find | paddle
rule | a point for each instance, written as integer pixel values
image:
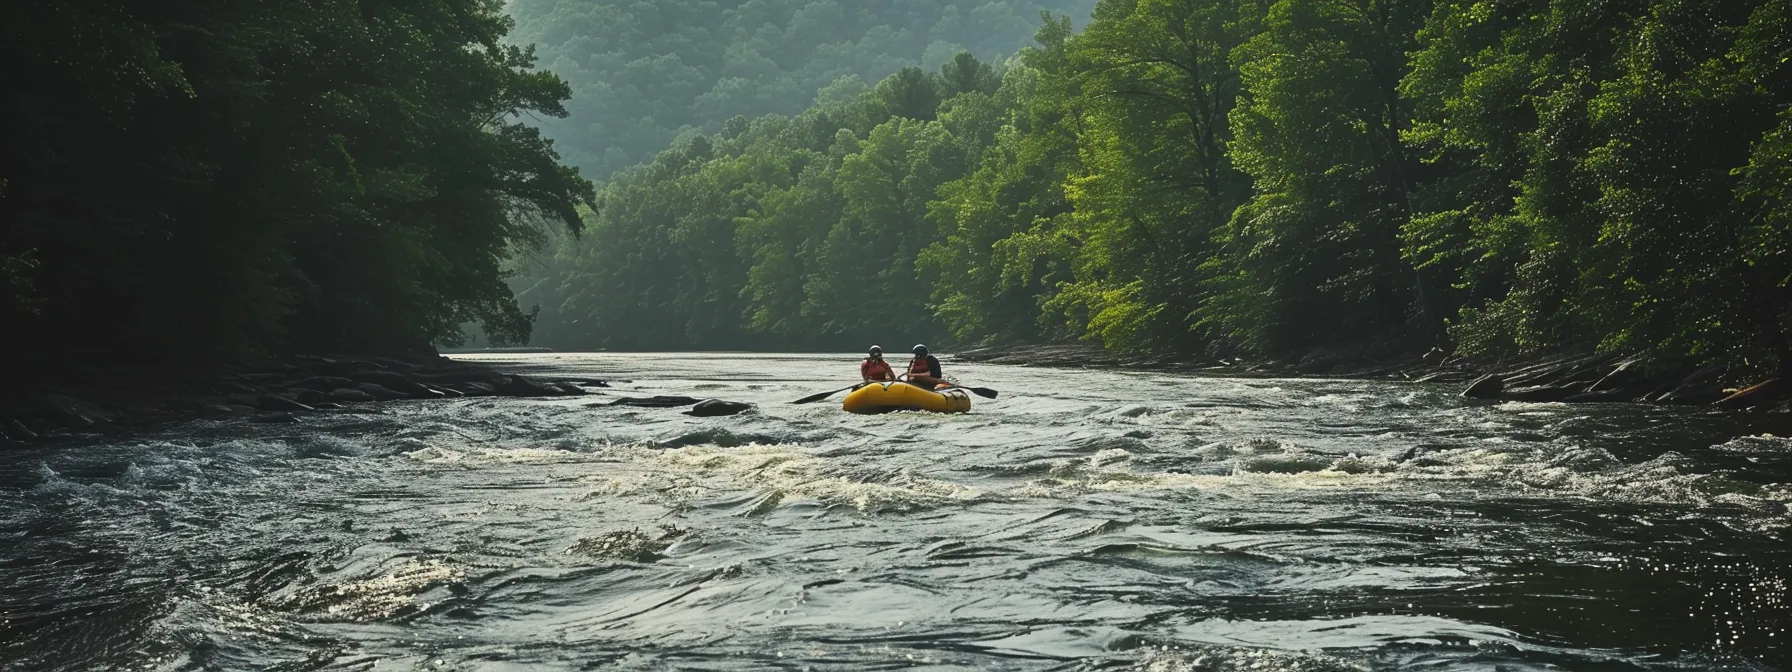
(984, 392)
(818, 397)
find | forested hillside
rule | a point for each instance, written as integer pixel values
(643, 70)
(1254, 176)
(196, 180)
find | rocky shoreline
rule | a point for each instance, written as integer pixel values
(277, 391)
(283, 390)
(1565, 378)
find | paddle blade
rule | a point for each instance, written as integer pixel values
(815, 397)
(984, 392)
(818, 397)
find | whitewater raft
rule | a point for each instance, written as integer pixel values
(887, 397)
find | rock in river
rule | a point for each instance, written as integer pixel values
(654, 402)
(1488, 387)
(710, 408)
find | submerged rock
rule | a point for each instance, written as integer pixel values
(1488, 387)
(519, 386)
(655, 402)
(710, 408)
(1543, 393)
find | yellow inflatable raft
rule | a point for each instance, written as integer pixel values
(886, 397)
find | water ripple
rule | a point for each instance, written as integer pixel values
(1085, 520)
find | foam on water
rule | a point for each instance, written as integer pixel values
(1083, 520)
(779, 471)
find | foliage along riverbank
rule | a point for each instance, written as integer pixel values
(190, 182)
(1499, 179)
(643, 73)
(1569, 378)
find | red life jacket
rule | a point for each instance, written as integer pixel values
(876, 369)
(918, 367)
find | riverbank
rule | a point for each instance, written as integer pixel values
(281, 390)
(1564, 378)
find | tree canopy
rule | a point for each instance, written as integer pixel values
(196, 179)
(645, 71)
(1216, 176)
(1241, 176)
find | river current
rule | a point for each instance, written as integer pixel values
(1083, 520)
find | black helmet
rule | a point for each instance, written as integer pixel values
(877, 350)
(921, 350)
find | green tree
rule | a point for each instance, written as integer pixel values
(194, 180)
(1001, 251)
(1156, 180)
(1316, 252)
(644, 71)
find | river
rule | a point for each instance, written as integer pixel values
(1083, 520)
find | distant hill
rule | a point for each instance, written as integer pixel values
(643, 70)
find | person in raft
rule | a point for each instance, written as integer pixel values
(874, 369)
(924, 371)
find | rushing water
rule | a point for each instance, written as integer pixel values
(1086, 519)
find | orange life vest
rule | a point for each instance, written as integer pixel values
(876, 369)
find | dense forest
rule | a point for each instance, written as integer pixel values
(1239, 177)
(643, 71)
(1261, 177)
(209, 181)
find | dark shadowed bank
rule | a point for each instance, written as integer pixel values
(282, 390)
(126, 398)
(1569, 378)
(193, 194)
